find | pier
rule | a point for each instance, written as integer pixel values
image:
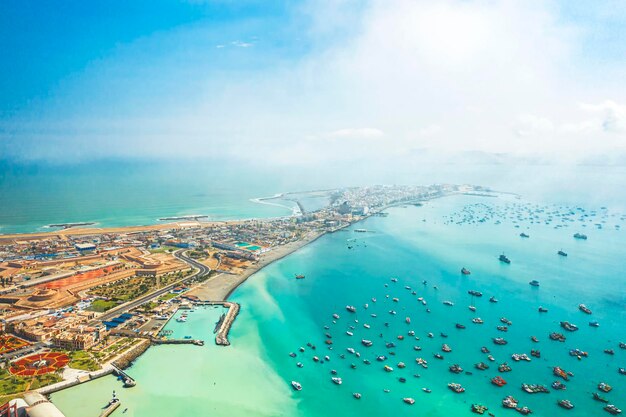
(221, 337)
(110, 408)
(128, 380)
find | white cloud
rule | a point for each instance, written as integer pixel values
(357, 133)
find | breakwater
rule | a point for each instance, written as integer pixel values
(221, 337)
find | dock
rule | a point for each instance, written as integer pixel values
(221, 337)
(110, 408)
(128, 380)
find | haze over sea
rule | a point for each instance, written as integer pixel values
(280, 314)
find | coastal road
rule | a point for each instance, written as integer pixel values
(201, 270)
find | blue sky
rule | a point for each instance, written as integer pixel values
(311, 81)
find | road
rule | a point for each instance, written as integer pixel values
(201, 270)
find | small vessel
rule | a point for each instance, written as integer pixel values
(459, 326)
(557, 371)
(534, 283)
(388, 368)
(570, 327)
(336, 380)
(504, 367)
(465, 271)
(336, 316)
(356, 395)
(558, 385)
(481, 366)
(479, 408)
(455, 369)
(612, 409)
(535, 389)
(536, 353)
(448, 303)
(427, 390)
(543, 309)
(446, 348)
(561, 253)
(475, 293)
(299, 365)
(472, 308)
(506, 321)
(498, 381)
(477, 320)
(503, 258)
(493, 299)
(296, 385)
(580, 236)
(523, 235)
(557, 336)
(409, 400)
(534, 339)
(499, 341)
(509, 402)
(600, 398)
(366, 343)
(567, 404)
(584, 308)
(299, 276)
(458, 388)
(604, 387)
(594, 323)
(351, 309)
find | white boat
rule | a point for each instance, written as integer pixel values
(336, 380)
(296, 385)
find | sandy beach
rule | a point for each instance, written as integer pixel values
(221, 286)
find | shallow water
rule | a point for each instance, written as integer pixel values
(279, 314)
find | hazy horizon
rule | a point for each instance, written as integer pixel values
(315, 83)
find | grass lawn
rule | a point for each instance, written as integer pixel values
(163, 248)
(10, 385)
(102, 305)
(82, 360)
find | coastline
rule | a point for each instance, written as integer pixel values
(221, 287)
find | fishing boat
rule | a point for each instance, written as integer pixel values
(458, 388)
(584, 308)
(388, 368)
(475, 293)
(557, 336)
(604, 387)
(567, 404)
(534, 339)
(366, 343)
(536, 353)
(558, 385)
(481, 366)
(504, 259)
(561, 253)
(557, 371)
(509, 402)
(477, 320)
(504, 367)
(506, 321)
(459, 326)
(356, 395)
(465, 271)
(455, 369)
(594, 323)
(535, 389)
(570, 327)
(472, 308)
(580, 236)
(523, 235)
(498, 381)
(534, 283)
(409, 400)
(351, 309)
(427, 390)
(448, 303)
(499, 341)
(336, 380)
(600, 398)
(446, 348)
(612, 409)
(296, 385)
(543, 309)
(493, 299)
(479, 408)
(299, 276)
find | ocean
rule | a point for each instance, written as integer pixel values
(412, 244)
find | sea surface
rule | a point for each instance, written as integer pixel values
(431, 243)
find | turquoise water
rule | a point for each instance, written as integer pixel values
(279, 314)
(127, 194)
